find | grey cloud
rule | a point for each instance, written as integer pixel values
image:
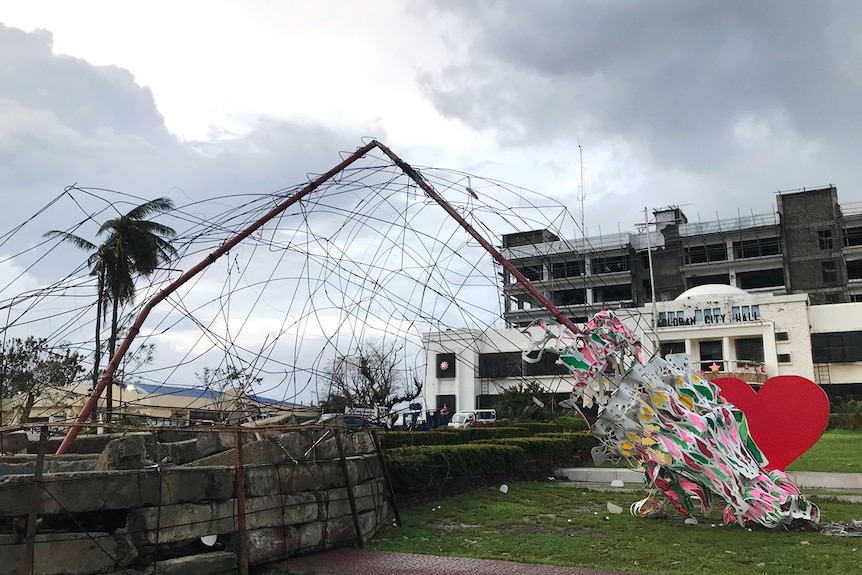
(63, 120)
(84, 97)
(674, 76)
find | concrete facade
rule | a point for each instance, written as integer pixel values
(725, 330)
(810, 245)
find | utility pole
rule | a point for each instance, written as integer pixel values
(651, 281)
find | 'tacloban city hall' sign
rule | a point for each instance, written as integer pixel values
(709, 316)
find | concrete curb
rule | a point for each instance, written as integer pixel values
(802, 479)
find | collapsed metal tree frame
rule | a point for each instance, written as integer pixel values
(409, 171)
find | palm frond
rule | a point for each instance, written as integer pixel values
(76, 241)
(159, 205)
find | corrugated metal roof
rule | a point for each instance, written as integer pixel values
(199, 392)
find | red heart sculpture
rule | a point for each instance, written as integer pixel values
(785, 418)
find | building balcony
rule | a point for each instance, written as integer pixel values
(748, 377)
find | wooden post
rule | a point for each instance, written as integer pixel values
(242, 533)
(349, 484)
(29, 559)
(386, 478)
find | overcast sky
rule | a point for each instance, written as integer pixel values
(713, 106)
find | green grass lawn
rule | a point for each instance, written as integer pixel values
(836, 451)
(561, 524)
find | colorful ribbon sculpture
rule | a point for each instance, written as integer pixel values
(691, 444)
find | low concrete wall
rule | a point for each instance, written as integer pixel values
(95, 521)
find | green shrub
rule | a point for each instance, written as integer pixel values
(556, 447)
(568, 424)
(427, 469)
(571, 423)
(451, 436)
(845, 421)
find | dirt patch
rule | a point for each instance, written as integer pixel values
(449, 525)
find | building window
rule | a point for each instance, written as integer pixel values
(782, 336)
(449, 402)
(854, 270)
(853, 237)
(832, 297)
(830, 275)
(749, 351)
(722, 279)
(499, 365)
(532, 273)
(756, 248)
(760, 279)
(571, 269)
(621, 292)
(445, 365)
(745, 312)
(609, 265)
(711, 353)
(836, 347)
(547, 365)
(825, 238)
(570, 297)
(704, 254)
(486, 401)
(709, 315)
(784, 358)
(670, 347)
(671, 319)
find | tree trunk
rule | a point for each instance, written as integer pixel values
(26, 408)
(97, 354)
(112, 348)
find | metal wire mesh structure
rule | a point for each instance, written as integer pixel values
(362, 252)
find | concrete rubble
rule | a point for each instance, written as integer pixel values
(167, 500)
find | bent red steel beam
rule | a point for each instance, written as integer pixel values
(412, 173)
(525, 283)
(111, 369)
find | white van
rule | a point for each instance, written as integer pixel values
(468, 418)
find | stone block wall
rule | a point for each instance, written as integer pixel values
(170, 500)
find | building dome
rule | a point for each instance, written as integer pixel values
(710, 290)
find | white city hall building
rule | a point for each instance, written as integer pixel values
(726, 331)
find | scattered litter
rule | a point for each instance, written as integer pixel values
(691, 521)
(614, 508)
(607, 518)
(209, 540)
(845, 529)
(504, 488)
(618, 483)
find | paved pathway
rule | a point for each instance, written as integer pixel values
(352, 561)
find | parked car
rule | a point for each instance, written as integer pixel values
(473, 417)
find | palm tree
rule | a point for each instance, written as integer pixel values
(134, 245)
(97, 266)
